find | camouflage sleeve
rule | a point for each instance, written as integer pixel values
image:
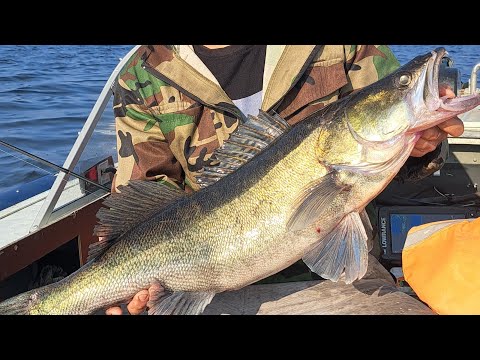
(143, 150)
(365, 64)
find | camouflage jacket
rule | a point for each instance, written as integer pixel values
(171, 114)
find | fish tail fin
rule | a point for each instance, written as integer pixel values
(342, 251)
(22, 303)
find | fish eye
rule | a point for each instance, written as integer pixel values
(404, 80)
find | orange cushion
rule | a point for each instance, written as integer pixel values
(443, 268)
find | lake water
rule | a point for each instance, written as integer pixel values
(48, 91)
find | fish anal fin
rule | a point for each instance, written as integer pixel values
(180, 303)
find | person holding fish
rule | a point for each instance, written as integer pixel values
(236, 162)
(174, 105)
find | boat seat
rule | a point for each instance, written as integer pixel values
(374, 294)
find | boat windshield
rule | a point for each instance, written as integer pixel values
(77, 133)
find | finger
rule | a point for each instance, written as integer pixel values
(443, 136)
(453, 126)
(432, 133)
(417, 153)
(435, 140)
(423, 147)
(445, 90)
(138, 303)
(114, 311)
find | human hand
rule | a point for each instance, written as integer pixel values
(433, 136)
(135, 307)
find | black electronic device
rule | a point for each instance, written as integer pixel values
(394, 222)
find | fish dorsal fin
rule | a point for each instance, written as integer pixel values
(250, 139)
(134, 203)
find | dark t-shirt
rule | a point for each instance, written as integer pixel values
(239, 71)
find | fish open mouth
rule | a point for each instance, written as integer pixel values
(429, 108)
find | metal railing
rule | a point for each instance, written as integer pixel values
(473, 79)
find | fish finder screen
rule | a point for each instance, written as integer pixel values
(400, 224)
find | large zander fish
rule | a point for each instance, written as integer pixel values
(274, 196)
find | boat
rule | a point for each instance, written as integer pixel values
(45, 235)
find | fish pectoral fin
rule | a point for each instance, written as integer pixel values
(312, 200)
(180, 303)
(344, 249)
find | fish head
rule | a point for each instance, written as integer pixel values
(405, 102)
(429, 108)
